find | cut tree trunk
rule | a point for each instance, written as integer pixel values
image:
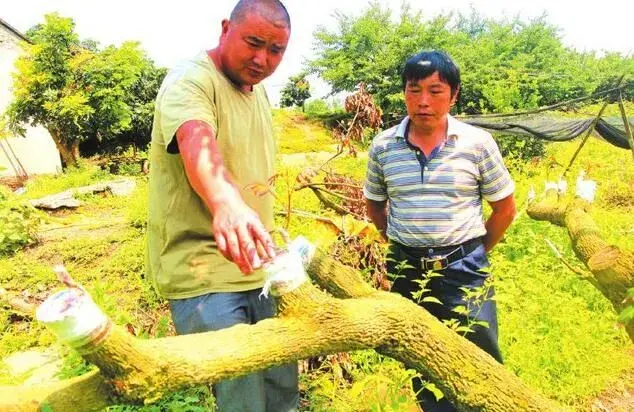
(310, 322)
(612, 267)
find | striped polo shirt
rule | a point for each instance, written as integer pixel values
(436, 201)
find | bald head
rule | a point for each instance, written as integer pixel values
(272, 10)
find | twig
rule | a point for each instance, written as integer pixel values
(303, 213)
(330, 204)
(64, 277)
(328, 184)
(578, 271)
(340, 149)
(335, 194)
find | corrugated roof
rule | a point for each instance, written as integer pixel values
(14, 30)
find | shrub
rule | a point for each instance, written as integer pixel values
(520, 147)
(18, 223)
(316, 107)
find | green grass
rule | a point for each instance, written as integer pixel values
(558, 333)
(73, 177)
(296, 134)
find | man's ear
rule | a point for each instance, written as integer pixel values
(225, 27)
(454, 96)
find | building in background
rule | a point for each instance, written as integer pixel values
(35, 153)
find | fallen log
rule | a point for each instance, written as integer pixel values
(310, 322)
(611, 266)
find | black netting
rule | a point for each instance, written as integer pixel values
(556, 130)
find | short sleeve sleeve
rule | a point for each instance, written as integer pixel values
(496, 183)
(374, 187)
(181, 101)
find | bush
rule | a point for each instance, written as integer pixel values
(18, 223)
(316, 107)
(520, 147)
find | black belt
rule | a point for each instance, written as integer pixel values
(438, 258)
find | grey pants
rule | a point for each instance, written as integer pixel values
(271, 390)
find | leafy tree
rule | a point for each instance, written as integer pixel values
(295, 92)
(506, 64)
(76, 91)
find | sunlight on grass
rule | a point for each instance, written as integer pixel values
(295, 134)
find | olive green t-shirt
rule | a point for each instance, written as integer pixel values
(182, 259)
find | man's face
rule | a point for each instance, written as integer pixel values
(428, 101)
(252, 48)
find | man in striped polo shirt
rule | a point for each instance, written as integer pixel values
(425, 182)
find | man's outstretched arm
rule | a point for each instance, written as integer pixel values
(236, 227)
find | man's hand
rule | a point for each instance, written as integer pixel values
(241, 237)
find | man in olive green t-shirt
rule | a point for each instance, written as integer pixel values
(208, 236)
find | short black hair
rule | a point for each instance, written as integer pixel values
(272, 10)
(424, 64)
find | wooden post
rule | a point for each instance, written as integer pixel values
(626, 124)
(590, 130)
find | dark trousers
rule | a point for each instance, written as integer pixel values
(468, 272)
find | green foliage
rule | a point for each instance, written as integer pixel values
(18, 223)
(74, 364)
(505, 64)
(4, 129)
(374, 383)
(82, 94)
(316, 107)
(198, 399)
(137, 208)
(295, 92)
(523, 148)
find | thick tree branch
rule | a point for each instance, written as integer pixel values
(612, 267)
(310, 322)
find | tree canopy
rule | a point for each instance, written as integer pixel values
(295, 92)
(505, 65)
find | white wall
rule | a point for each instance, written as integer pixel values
(36, 151)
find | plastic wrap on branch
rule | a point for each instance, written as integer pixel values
(612, 267)
(586, 189)
(75, 319)
(286, 272)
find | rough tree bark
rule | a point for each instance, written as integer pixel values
(310, 322)
(612, 267)
(69, 151)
